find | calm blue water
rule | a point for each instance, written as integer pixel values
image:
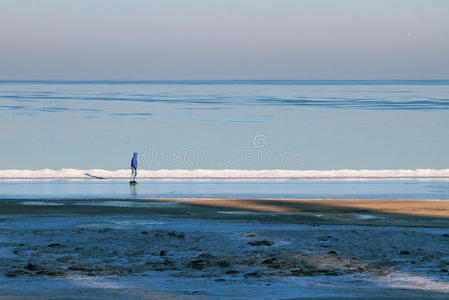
(225, 124)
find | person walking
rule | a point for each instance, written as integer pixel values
(133, 169)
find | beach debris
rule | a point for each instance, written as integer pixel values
(270, 261)
(261, 243)
(223, 263)
(31, 267)
(197, 264)
(179, 235)
(56, 273)
(220, 280)
(77, 268)
(205, 255)
(253, 274)
(16, 273)
(249, 235)
(324, 238)
(316, 272)
(64, 259)
(327, 238)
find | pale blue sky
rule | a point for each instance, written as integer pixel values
(231, 39)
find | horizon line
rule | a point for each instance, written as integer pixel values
(211, 80)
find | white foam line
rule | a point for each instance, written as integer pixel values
(41, 203)
(96, 174)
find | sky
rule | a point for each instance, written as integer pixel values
(229, 39)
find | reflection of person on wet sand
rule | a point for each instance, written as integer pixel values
(132, 189)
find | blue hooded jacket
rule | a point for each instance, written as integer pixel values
(134, 160)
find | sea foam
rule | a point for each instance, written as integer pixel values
(224, 174)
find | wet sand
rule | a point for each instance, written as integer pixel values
(435, 208)
(224, 248)
(413, 213)
(405, 212)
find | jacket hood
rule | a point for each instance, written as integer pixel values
(134, 154)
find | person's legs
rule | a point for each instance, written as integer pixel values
(134, 174)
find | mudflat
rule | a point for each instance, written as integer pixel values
(224, 248)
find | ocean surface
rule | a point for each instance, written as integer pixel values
(375, 138)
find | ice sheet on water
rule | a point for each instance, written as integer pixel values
(127, 203)
(41, 203)
(122, 224)
(404, 280)
(98, 174)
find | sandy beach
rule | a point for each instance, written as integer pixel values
(224, 248)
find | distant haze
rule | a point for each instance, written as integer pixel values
(231, 39)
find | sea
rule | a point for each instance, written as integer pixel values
(373, 139)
